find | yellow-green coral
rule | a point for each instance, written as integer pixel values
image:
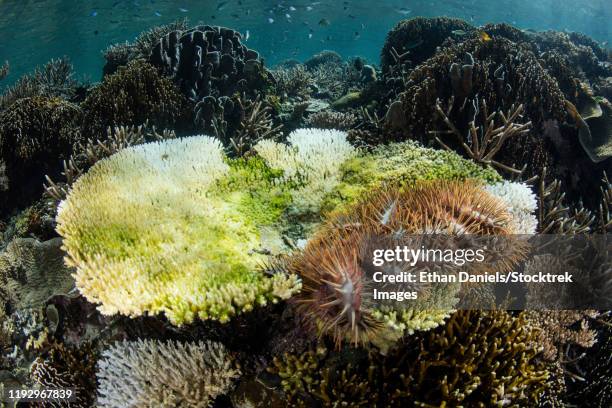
(478, 359)
(401, 163)
(158, 228)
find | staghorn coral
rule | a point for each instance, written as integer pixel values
(32, 271)
(313, 158)
(416, 39)
(562, 328)
(35, 135)
(335, 265)
(521, 202)
(188, 240)
(135, 94)
(402, 163)
(477, 359)
(295, 81)
(328, 119)
(66, 367)
(93, 150)
(55, 79)
(486, 140)
(153, 373)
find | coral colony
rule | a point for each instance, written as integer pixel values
(202, 230)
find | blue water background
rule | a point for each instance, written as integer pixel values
(34, 31)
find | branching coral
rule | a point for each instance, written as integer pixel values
(313, 158)
(257, 125)
(328, 119)
(184, 242)
(293, 82)
(153, 373)
(521, 202)
(64, 367)
(55, 79)
(131, 96)
(35, 135)
(32, 271)
(476, 359)
(93, 150)
(485, 140)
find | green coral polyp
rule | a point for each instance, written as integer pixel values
(404, 164)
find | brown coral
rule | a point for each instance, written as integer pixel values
(133, 95)
(477, 359)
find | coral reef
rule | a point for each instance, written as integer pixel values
(477, 359)
(133, 95)
(35, 135)
(293, 82)
(416, 39)
(154, 373)
(521, 202)
(201, 261)
(502, 74)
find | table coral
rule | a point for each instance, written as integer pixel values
(171, 233)
(160, 374)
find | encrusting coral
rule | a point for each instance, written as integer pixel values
(188, 243)
(149, 373)
(477, 359)
(332, 120)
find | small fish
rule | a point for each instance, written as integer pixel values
(234, 15)
(484, 36)
(308, 8)
(96, 32)
(351, 16)
(221, 5)
(460, 33)
(324, 22)
(413, 44)
(183, 10)
(270, 20)
(94, 13)
(288, 16)
(247, 35)
(292, 8)
(404, 11)
(309, 36)
(158, 14)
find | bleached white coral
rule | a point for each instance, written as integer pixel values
(149, 231)
(312, 158)
(149, 373)
(521, 202)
